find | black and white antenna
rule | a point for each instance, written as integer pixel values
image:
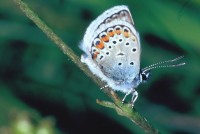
(160, 64)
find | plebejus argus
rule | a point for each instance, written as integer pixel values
(112, 51)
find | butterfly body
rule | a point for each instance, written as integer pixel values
(112, 51)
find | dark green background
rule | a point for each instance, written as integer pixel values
(39, 82)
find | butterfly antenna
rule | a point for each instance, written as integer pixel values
(158, 64)
(162, 62)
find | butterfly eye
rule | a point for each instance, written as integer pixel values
(118, 30)
(145, 76)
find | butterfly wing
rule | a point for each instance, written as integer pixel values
(112, 48)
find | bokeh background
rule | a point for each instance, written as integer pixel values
(42, 91)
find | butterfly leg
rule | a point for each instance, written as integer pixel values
(103, 87)
(129, 92)
(134, 97)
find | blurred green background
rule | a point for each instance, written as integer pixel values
(43, 92)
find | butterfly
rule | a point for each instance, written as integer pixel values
(112, 52)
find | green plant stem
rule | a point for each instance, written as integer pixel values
(125, 110)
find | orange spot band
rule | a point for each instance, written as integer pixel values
(94, 56)
(111, 33)
(100, 45)
(126, 34)
(118, 31)
(105, 38)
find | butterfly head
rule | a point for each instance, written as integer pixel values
(144, 76)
